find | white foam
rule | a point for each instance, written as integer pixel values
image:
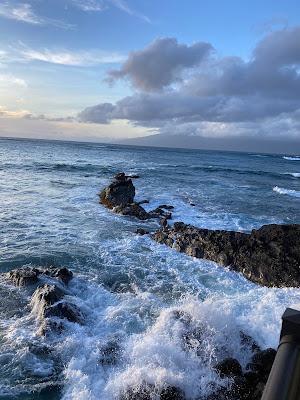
(297, 158)
(289, 192)
(294, 174)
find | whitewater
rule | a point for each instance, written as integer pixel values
(131, 289)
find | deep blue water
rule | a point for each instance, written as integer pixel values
(127, 285)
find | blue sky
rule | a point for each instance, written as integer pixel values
(55, 54)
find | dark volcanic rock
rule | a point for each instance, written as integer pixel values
(47, 295)
(29, 276)
(141, 231)
(63, 274)
(134, 210)
(119, 193)
(65, 310)
(23, 276)
(229, 367)
(119, 196)
(269, 256)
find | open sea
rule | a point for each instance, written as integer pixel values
(128, 286)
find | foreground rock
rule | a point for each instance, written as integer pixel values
(119, 197)
(269, 256)
(30, 276)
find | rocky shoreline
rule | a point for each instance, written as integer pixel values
(269, 256)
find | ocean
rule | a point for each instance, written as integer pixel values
(128, 286)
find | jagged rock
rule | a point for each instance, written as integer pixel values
(63, 274)
(141, 231)
(269, 256)
(229, 367)
(119, 193)
(47, 295)
(29, 276)
(262, 361)
(50, 326)
(65, 310)
(248, 341)
(24, 276)
(172, 393)
(133, 210)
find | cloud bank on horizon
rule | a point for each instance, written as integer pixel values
(185, 89)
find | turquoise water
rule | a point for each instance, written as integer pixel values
(127, 285)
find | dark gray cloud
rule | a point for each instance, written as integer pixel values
(160, 63)
(220, 90)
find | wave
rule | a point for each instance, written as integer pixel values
(294, 174)
(297, 158)
(289, 192)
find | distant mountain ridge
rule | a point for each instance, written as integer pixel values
(246, 144)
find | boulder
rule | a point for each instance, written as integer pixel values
(119, 193)
(134, 210)
(47, 295)
(24, 276)
(268, 256)
(65, 310)
(29, 276)
(229, 367)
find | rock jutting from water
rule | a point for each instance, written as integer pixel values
(47, 300)
(119, 197)
(269, 256)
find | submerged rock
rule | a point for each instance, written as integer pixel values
(269, 256)
(110, 353)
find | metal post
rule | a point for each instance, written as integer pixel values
(284, 379)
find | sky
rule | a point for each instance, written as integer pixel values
(106, 69)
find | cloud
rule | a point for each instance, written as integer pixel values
(101, 5)
(4, 113)
(72, 58)
(160, 63)
(9, 80)
(23, 12)
(262, 91)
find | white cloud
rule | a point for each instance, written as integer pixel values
(72, 58)
(101, 5)
(9, 80)
(23, 12)
(4, 113)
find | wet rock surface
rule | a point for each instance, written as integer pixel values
(28, 276)
(119, 197)
(269, 256)
(65, 310)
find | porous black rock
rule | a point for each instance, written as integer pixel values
(171, 393)
(268, 256)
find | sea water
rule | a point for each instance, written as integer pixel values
(129, 287)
